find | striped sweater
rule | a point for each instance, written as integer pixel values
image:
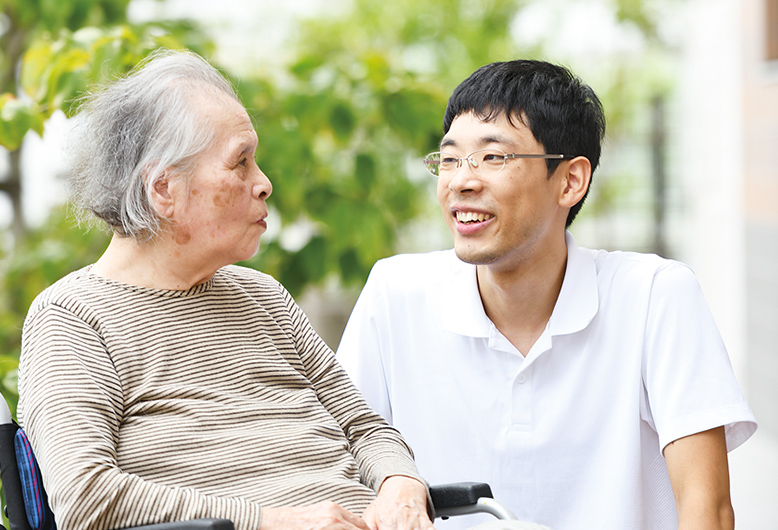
(147, 405)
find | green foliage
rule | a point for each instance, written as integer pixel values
(63, 56)
(16, 118)
(22, 22)
(55, 72)
(53, 15)
(645, 16)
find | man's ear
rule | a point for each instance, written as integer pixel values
(575, 181)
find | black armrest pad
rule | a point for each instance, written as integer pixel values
(458, 494)
(194, 524)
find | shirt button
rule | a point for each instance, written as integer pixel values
(521, 379)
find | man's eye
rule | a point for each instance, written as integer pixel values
(448, 160)
(493, 158)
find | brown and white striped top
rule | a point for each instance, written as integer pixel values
(147, 405)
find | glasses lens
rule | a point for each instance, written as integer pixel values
(481, 162)
(432, 163)
(441, 164)
(488, 160)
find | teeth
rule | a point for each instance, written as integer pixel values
(472, 217)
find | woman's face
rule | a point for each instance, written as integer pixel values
(220, 213)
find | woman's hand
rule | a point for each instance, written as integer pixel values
(321, 516)
(401, 504)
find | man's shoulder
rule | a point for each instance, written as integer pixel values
(648, 279)
(629, 266)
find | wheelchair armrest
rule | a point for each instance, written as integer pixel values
(194, 524)
(462, 498)
(458, 494)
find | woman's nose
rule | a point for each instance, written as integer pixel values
(262, 188)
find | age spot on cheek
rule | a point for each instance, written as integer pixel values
(227, 197)
(183, 237)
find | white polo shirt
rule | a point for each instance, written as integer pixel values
(570, 436)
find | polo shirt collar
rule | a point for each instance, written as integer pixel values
(462, 312)
(578, 299)
(460, 307)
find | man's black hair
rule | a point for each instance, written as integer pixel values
(562, 112)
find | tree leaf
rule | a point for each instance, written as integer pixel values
(17, 117)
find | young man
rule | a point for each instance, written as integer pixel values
(591, 389)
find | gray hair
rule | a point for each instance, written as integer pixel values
(131, 131)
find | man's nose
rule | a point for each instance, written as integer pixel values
(464, 177)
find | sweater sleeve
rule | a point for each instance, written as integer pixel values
(364, 343)
(71, 406)
(379, 449)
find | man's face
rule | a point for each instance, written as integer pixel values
(504, 218)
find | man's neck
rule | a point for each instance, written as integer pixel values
(520, 301)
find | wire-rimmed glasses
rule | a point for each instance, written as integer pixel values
(482, 162)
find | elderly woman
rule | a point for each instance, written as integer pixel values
(164, 383)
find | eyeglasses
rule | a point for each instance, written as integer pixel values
(483, 162)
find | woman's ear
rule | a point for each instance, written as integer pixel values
(575, 181)
(160, 193)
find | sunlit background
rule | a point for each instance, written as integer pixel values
(348, 95)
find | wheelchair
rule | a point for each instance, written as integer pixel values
(26, 505)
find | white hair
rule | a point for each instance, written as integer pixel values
(130, 132)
